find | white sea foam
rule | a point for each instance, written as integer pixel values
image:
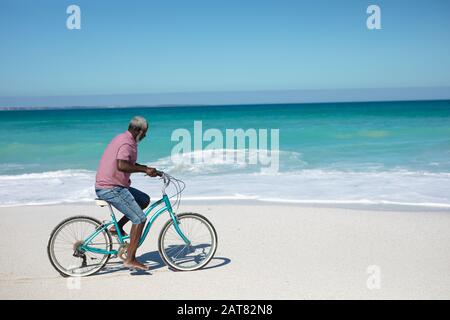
(306, 186)
(46, 187)
(226, 160)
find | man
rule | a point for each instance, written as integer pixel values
(112, 184)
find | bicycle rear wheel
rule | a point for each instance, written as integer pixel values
(64, 250)
(180, 256)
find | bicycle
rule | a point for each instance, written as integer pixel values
(87, 243)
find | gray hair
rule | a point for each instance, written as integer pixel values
(138, 123)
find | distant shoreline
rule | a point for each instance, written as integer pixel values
(175, 106)
(222, 98)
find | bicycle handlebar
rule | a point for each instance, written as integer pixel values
(179, 186)
(166, 180)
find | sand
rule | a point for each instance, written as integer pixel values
(265, 252)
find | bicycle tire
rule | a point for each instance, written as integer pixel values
(58, 227)
(167, 226)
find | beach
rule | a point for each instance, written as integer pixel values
(265, 251)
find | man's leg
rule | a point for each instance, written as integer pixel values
(143, 201)
(123, 200)
(131, 262)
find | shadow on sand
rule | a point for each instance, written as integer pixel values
(154, 261)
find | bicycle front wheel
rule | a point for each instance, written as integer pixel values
(65, 247)
(203, 242)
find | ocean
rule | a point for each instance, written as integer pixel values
(333, 153)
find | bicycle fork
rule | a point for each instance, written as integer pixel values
(176, 222)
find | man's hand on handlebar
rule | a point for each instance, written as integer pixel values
(152, 172)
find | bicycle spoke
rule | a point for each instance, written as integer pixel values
(171, 249)
(195, 228)
(182, 249)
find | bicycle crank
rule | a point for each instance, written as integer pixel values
(123, 250)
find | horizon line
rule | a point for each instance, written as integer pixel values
(224, 98)
(205, 105)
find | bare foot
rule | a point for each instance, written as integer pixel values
(135, 265)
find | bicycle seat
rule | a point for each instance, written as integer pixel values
(101, 203)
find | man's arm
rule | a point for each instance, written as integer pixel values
(125, 166)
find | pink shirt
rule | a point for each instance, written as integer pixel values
(122, 147)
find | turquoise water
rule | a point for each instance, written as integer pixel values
(344, 152)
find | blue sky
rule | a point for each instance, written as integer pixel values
(165, 46)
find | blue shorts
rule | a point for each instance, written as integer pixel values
(127, 200)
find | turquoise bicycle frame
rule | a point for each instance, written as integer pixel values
(167, 207)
